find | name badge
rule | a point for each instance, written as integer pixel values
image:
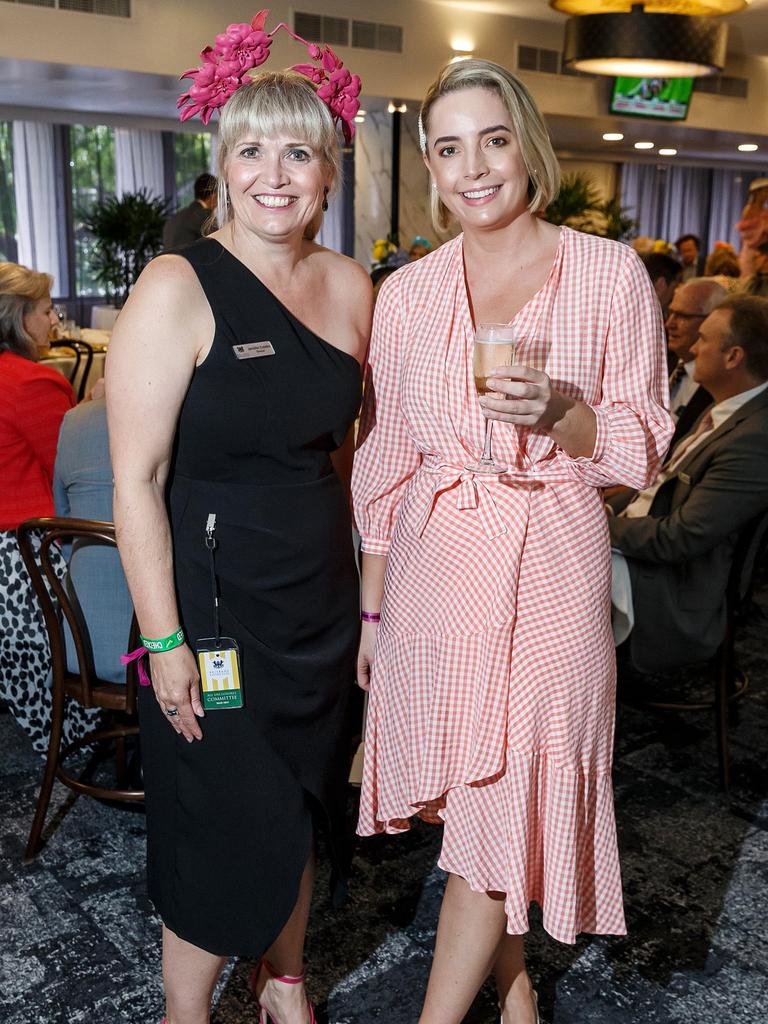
(219, 674)
(254, 350)
(684, 478)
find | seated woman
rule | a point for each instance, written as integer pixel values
(33, 401)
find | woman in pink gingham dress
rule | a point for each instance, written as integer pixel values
(492, 670)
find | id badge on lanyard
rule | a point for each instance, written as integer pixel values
(218, 657)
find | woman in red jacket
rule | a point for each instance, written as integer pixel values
(33, 401)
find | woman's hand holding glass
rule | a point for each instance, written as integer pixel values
(525, 397)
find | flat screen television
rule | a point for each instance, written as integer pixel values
(664, 98)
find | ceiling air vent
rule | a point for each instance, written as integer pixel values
(369, 36)
(317, 28)
(532, 58)
(366, 35)
(723, 85)
(112, 8)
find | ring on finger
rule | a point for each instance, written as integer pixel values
(171, 712)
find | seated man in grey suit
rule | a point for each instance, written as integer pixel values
(187, 225)
(677, 537)
(82, 489)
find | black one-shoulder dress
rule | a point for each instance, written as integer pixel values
(230, 818)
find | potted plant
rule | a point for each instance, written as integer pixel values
(128, 233)
(578, 205)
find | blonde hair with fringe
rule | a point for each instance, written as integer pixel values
(277, 102)
(20, 289)
(527, 124)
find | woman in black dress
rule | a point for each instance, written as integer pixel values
(233, 381)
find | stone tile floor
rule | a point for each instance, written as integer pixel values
(79, 943)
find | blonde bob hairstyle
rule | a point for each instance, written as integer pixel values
(20, 289)
(272, 103)
(527, 124)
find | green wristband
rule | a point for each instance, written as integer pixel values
(166, 644)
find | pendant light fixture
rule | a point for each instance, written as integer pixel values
(661, 38)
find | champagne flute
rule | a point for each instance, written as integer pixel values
(494, 346)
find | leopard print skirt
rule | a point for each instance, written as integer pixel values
(25, 657)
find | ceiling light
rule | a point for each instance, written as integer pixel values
(396, 105)
(747, 147)
(362, 113)
(644, 145)
(459, 56)
(359, 119)
(612, 137)
(645, 45)
(462, 44)
(692, 7)
(667, 152)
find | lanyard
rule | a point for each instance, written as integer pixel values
(210, 543)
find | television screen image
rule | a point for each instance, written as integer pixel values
(665, 98)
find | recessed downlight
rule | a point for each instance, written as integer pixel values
(644, 145)
(667, 152)
(612, 137)
(748, 147)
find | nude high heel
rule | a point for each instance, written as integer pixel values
(287, 979)
(535, 998)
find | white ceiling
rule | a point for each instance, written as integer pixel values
(748, 30)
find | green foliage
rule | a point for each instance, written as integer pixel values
(578, 205)
(577, 197)
(192, 156)
(128, 233)
(618, 223)
(92, 167)
(8, 250)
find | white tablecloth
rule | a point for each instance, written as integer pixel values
(64, 363)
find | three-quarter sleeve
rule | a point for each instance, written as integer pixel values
(387, 456)
(41, 404)
(634, 427)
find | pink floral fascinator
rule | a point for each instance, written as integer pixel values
(243, 47)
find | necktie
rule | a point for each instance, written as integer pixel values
(677, 375)
(681, 450)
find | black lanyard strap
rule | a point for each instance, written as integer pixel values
(210, 543)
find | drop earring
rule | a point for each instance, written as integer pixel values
(325, 199)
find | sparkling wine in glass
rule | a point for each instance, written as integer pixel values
(494, 346)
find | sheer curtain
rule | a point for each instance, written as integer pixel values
(331, 233)
(685, 209)
(729, 194)
(139, 161)
(36, 192)
(642, 195)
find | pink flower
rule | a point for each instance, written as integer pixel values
(316, 75)
(212, 86)
(247, 46)
(340, 93)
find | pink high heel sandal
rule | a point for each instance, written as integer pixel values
(286, 979)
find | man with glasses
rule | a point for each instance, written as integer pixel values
(691, 305)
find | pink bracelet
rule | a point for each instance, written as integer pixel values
(370, 616)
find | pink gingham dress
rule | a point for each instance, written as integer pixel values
(493, 682)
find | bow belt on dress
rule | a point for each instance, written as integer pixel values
(475, 491)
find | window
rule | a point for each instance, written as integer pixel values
(8, 249)
(192, 156)
(92, 164)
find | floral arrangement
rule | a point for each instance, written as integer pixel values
(242, 48)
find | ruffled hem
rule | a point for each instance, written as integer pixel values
(534, 831)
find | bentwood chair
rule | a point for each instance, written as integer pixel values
(58, 602)
(80, 372)
(730, 682)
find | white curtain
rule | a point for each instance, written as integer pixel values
(686, 203)
(729, 194)
(139, 161)
(641, 196)
(331, 233)
(35, 188)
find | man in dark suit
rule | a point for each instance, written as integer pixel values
(691, 305)
(677, 537)
(689, 250)
(665, 273)
(187, 225)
